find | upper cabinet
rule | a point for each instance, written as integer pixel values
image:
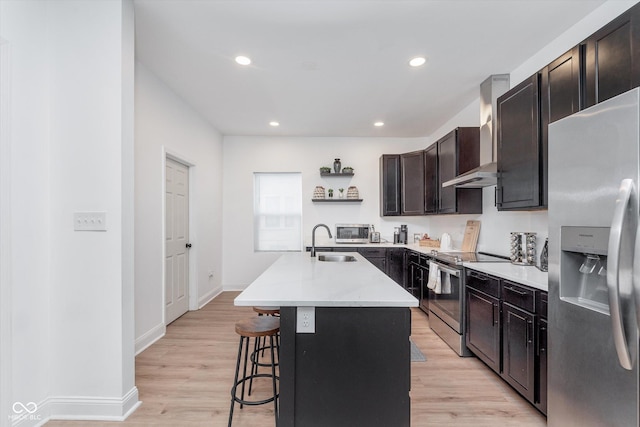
(431, 193)
(560, 97)
(519, 147)
(458, 152)
(390, 185)
(604, 65)
(612, 58)
(412, 183)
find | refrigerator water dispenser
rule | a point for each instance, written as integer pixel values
(583, 263)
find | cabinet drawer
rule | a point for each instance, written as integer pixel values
(520, 296)
(373, 252)
(413, 257)
(483, 282)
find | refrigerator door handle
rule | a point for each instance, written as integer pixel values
(626, 196)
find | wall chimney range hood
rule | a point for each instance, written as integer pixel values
(487, 173)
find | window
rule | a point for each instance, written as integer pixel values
(277, 211)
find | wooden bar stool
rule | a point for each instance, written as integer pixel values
(257, 328)
(260, 344)
(267, 311)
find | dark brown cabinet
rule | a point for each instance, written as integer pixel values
(390, 185)
(519, 147)
(431, 193)
(560, 97)
(518, 352)
(541, 390)
(412, 183)
(506, 328)
(376, 256)
(396, 265)
(483, 321)
(612, 58)
(458, 152)
(518, 338)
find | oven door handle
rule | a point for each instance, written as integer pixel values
(448, 270)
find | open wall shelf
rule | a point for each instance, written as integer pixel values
(335, 200)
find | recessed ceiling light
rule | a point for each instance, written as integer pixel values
(378, 124)
(243, 60)
(417, 61)
(274, 124)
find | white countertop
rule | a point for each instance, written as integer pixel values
(527, 275)
(296, 279)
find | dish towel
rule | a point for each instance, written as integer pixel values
(446, 285)
(434, 278)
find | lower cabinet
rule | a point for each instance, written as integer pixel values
(483, 318)
(376, 256)
(506, 329)
(483, 332)
(518, 351)
(396, 265)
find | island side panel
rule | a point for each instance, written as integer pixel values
(354, 371)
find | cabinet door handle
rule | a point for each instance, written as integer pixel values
(496, 319)
(515, 291)
(529, 333)
(479, 277)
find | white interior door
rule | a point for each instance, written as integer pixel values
(177, 240)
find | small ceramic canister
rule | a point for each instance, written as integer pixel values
(352, 193)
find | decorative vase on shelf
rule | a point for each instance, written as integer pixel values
(337, 166)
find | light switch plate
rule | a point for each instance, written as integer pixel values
(306, 320)
(90, 221)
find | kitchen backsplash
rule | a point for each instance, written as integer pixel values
(495, 227)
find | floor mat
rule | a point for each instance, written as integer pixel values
(416, 354)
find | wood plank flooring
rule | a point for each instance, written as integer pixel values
(184, 379)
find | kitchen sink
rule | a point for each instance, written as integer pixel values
(337, 258)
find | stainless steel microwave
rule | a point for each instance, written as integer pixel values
(352, 233)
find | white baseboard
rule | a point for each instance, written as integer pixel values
(82, 408)
(206, 299)
(234, 288)
(149, 337)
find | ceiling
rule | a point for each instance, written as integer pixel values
(333, 68)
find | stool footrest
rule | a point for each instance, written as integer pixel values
(252, 402)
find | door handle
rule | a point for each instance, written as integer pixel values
(626, 199)
(188, 245)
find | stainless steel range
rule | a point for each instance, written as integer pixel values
(447, 301)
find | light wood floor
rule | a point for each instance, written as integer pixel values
(184, 379)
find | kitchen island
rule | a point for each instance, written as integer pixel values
(345, 351)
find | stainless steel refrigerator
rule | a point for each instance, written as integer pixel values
(593, 257)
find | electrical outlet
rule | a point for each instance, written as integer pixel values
(306, 320)
(90, 221)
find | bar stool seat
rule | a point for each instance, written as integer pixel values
(257, 328)
(267, 311)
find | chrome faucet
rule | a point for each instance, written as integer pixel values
(313, 238)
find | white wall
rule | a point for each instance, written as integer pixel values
(71, 147)
(245, 155)
(23, 25)
(164, 123)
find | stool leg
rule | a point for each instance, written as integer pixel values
(254, 363)
(273, 378)
(235, 381)
(244, 369)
